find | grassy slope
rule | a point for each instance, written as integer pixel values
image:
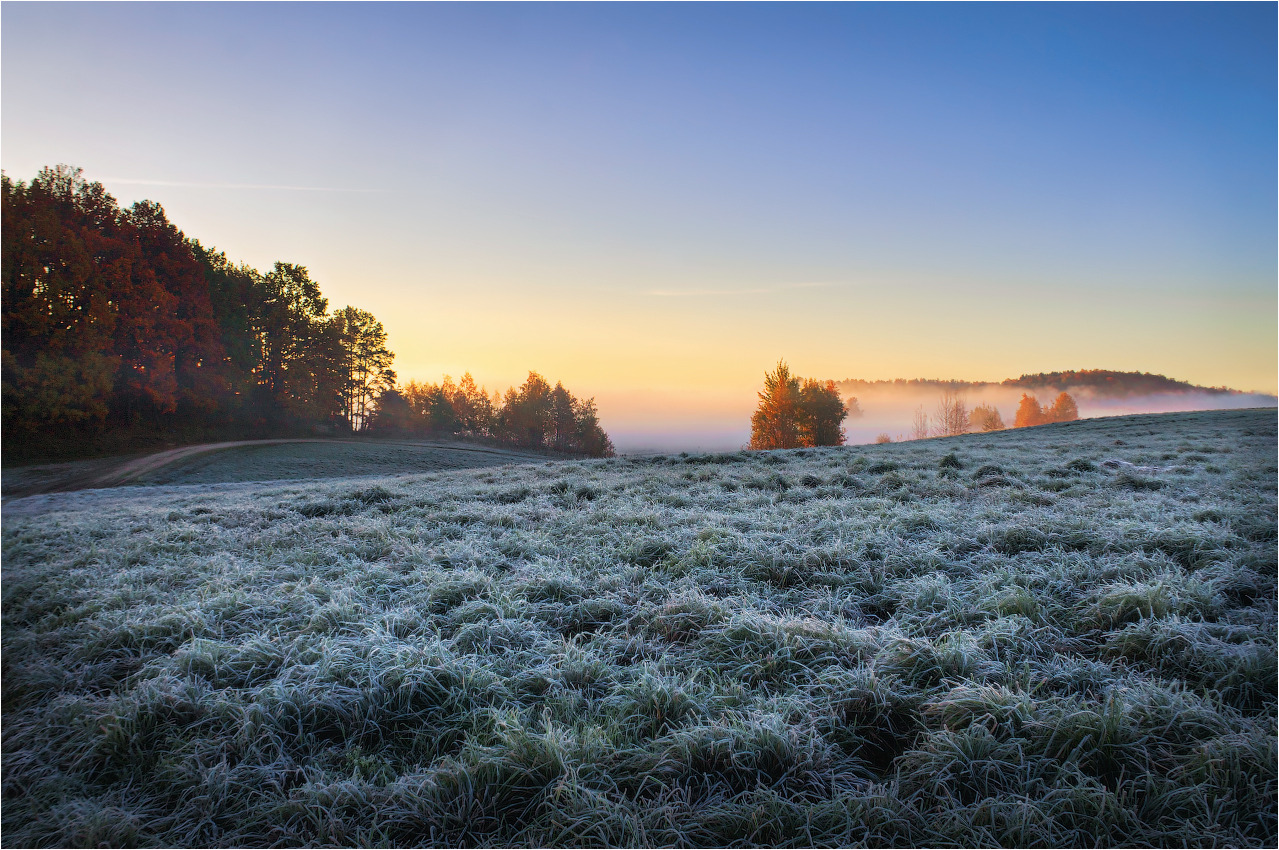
(260, 461)
(331, 460)
(838, 646)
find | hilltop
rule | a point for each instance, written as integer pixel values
(1100, 383)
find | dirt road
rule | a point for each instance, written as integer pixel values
(114, 472)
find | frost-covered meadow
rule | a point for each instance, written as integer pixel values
(1059, 636)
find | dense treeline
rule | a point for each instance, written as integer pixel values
(118, 329)
(795, 412)
(119, 332)
(536, 415)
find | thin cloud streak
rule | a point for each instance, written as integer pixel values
(756, 290)
(261, 186)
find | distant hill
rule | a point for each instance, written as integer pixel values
(1097, 383)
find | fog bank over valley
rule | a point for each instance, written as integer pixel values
(889, 407)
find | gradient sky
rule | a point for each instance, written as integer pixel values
(653, 203)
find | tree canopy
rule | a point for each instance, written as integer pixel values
(796, 412)
(115, 321)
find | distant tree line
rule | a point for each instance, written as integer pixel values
(119, 331)
(1093, 382)
(1111, 384)
(536, 415)
(795, 412)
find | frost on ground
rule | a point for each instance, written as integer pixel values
(994, 639)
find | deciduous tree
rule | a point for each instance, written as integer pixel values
(920, 427)
(525, 419)
(985, 417)
(820, 415)
(1063, 409)
(1029, 412)
(951, 416)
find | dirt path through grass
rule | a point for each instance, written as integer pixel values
(114, 472)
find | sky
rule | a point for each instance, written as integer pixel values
(653, 203)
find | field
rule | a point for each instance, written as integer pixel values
(1059, 636)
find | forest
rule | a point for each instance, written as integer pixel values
(121, 333)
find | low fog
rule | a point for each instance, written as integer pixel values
(889, 409)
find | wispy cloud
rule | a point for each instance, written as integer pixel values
(751, 290)
(128, 181)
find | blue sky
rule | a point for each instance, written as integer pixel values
(656, 201)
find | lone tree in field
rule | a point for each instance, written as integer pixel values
(920, 429)
(773, 424)
(795, 412)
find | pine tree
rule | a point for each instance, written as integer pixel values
(366, 364)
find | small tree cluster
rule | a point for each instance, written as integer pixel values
(950, 418)
(795, 412)
(1030, 412)
(985, 417)
(535, 415)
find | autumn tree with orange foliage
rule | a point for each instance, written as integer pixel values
(1064, 409)
(119, 331)
(795, 412)
(1030, 412)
